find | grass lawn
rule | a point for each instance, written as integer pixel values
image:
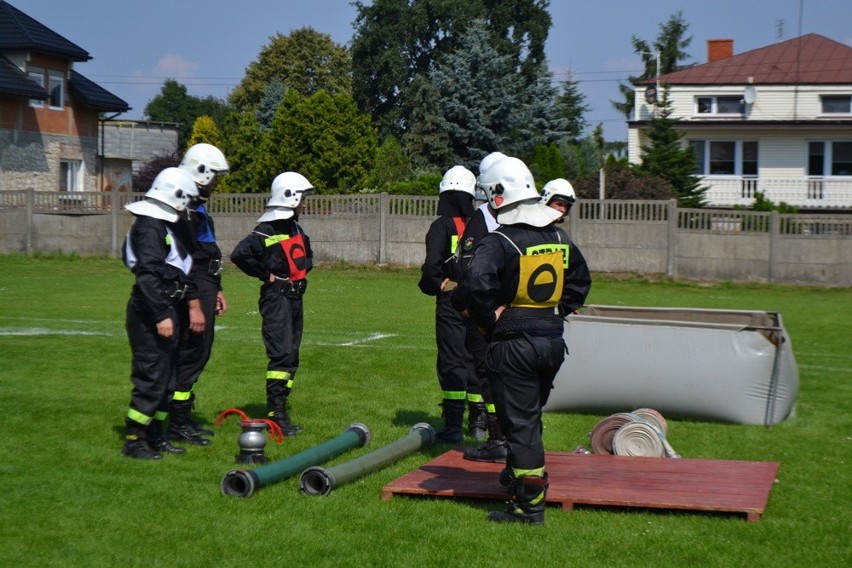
(71, 499)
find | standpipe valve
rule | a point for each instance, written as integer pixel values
(252, 439)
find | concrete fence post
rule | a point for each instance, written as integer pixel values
(671, 238)
(774, 232)
(573, 221)
(384, 211)
(28, 246)
(114, 205)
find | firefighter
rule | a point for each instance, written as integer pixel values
(438, 277)
(160, 263)
(559, 194)
(482, 222)
(205, 299)
(278, 252)
(523, 279)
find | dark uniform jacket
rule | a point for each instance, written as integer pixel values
(261, 253)
(206, 254)
(439, 263)
(477, 227)
(454, 208)
(147, 248)
(493, 275)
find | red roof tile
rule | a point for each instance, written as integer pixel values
(809, 59)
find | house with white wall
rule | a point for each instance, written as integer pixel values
(777, 119)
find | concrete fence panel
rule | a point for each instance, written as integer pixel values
(650, 237)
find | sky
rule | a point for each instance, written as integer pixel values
(207, 44)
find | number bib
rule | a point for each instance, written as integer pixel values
(541, 280)
(296, 255)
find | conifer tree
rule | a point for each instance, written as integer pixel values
(665, 156)
(323, 137)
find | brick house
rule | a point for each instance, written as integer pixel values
(50, 114)
(777, 119)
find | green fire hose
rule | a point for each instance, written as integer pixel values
(243, 483)
(320, 481)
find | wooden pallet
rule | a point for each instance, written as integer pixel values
(604, 480)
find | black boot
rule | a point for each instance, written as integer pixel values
(528, 503)
(494, 449)
(277, 412)
(199, 429)
(180, 428)
(453, 414)
(135, 442)
(476, 422)
(156, 440)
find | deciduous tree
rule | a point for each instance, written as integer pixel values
(174, 104)
(306, 61)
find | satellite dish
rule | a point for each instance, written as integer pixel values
(749, 95)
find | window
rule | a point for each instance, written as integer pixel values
(723, 158)
(829, 158)
(720, 105)
(726, 157)
(836, 104)
(56, 90)
(841, 159)
(70, 178)
(698, 147)
(54, 83)
(750, 159)
(37, 75)
(816, 158)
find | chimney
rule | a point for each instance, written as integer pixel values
(718, 49)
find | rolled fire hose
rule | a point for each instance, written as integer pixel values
(653, 417)
(642, 438)
(638, 433)
(320, 481)
(600, 438)
(638, 438)
(243, 483)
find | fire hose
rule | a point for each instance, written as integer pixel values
(243, 483)
(320, 481)
(639, 433)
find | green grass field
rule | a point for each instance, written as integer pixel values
(71, 499)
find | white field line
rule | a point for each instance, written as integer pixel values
(32, 331)
(371, 337)
(58, 320)
(822, 368)
(44, 331)
(823, 355)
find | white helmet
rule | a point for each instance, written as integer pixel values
(489, 161)
(507, 181)
(558, 187)
(174, 187)
(458, 178)
(203, 162)
(171, 192)
(288, 189)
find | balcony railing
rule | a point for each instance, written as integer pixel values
(809, 193)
